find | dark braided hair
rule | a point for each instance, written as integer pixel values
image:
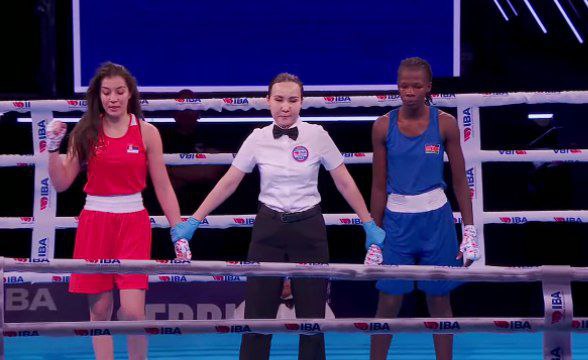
(418, 63)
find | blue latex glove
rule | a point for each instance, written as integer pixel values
(184, 229)
(374, 235)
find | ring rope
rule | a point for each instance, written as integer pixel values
(15, 277)
(294, 326)
(184, 159)
(332, 271)
(231, 221)
(328, 101)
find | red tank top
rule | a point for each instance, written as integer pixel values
(118, 166)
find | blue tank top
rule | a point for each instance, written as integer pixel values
(415, 164)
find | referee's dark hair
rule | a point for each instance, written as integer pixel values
(286, 77)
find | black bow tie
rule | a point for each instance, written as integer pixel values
(292, 132)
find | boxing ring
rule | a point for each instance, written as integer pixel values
(556, 325)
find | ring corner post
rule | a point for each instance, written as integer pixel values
(559, 312)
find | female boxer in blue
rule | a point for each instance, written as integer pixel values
(409, 202)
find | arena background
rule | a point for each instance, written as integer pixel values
(496, 56)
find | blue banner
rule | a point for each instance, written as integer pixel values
(239, 46)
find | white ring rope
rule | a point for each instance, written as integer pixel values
(332, 271)
(184, 159)
(295, 326)
(231, 221)
(14, 278)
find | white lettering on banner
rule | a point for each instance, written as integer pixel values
(180, 312)
(151, 310)
(230, 311)
(208, 312)
(177, 311)
(17, 299)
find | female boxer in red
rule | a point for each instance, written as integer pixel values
(117, 148)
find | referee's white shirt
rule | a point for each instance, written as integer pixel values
(289, 168)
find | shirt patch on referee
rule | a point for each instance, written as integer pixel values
(132, 149)
(432, 149)
(300, 153)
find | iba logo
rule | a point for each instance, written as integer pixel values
(163, 331)
(303, 327)
(442, 325)
(373, 326)
(232, 329)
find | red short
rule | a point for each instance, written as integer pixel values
(103, 235)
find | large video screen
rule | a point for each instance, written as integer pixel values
(232, 46)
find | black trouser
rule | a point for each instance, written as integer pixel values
(283, 237)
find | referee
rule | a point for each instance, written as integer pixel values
(289, 226)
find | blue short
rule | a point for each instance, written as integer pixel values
(426, 238)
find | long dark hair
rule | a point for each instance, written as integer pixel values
(418, 63)
(85, 134)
